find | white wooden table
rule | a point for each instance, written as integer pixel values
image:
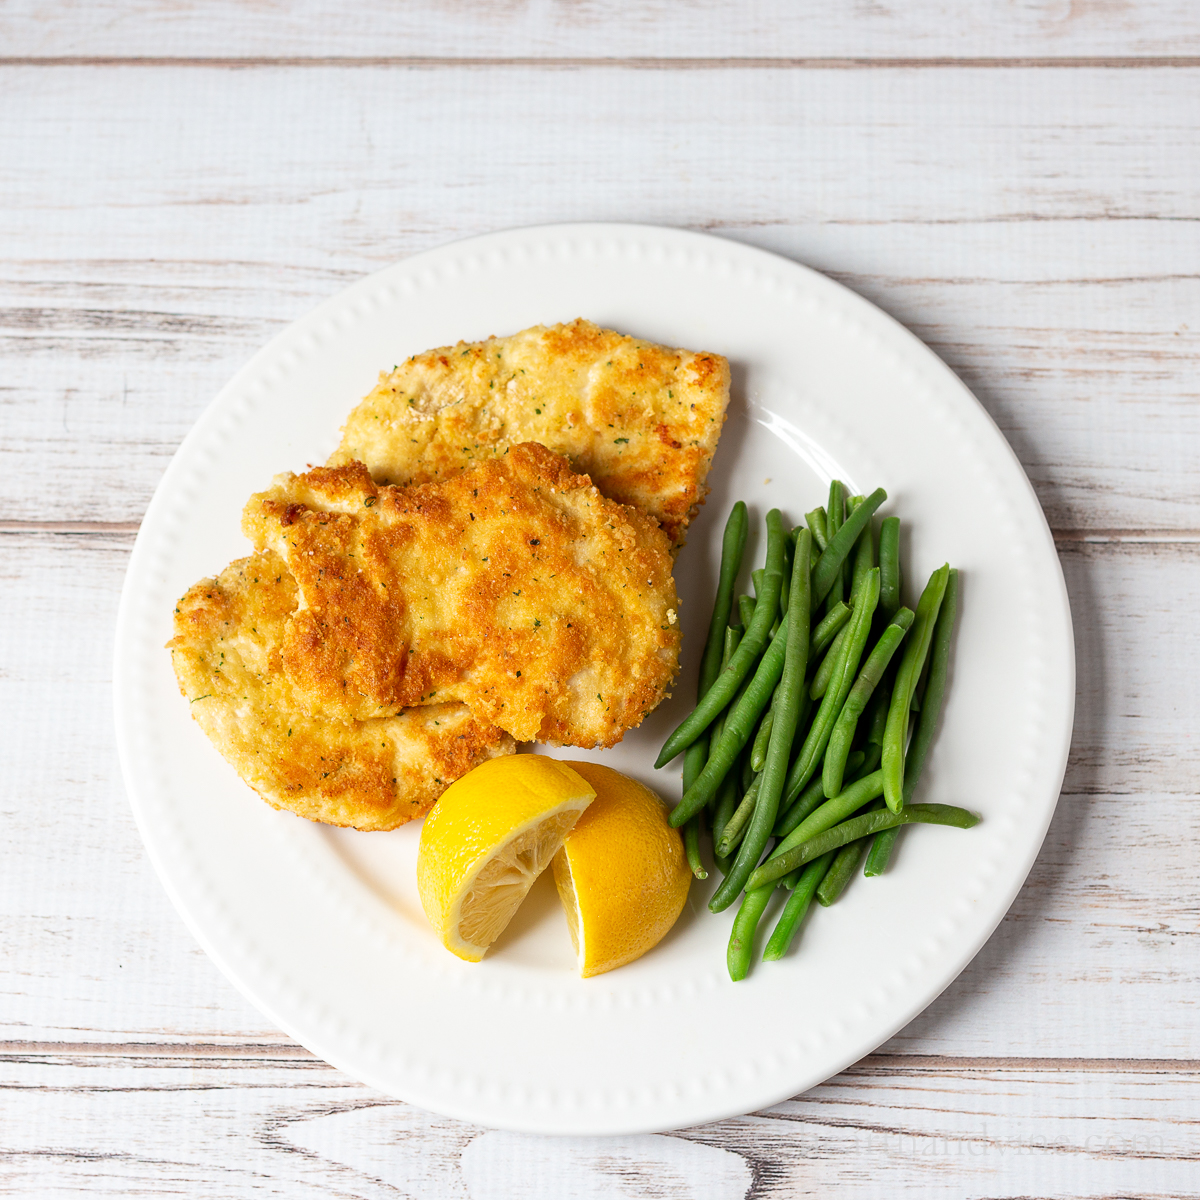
(1018, 183)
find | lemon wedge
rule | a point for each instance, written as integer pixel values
(488, 838)
(621, 873)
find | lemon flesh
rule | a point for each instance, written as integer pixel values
(621, 874)
(489, 837)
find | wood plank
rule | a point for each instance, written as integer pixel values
(1137, 667)
(107, 393)
(92, 944)
(884, 1128)
(208, 1127)
(1103, 933)
(1055, 265)
(601, 28)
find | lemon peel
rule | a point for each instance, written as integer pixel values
(621, 874)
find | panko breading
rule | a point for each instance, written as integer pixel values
(514, 587)
(370, 774)
(642, 420)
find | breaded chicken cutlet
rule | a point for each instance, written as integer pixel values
(514, 587)
(642, 420)
(375, 774)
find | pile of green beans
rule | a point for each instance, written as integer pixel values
(818, 699)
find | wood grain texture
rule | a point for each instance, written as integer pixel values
(1033, 222)
(1105, 931)
(212, 1126)
(600, 29)
(221, 205)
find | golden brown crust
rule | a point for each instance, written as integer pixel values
(373, 774)
(514, 587)
(642, 420)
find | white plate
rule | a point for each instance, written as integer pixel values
(322, 929)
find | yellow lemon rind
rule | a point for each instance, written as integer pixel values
(622, 875)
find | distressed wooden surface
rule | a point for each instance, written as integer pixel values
(264, 1122)
(1031, 214)
(1036, 227)
(804, 29)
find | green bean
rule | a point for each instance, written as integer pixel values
(835, 516)
(747, 654)
(739, 725)
(747, 774)
(840, 544)
(818, 526)
(802, 724)
(693, 763)
(852, 502)
(870, 762)
(820, 683)
(758, 753)
(796, 907)
(829, 814)
(877, 711)
(838, 808)
(691, 847)
(838, 875)
(828, 629)
(917, 648)
(735, 827)
(880, 852)
(694, 759)
(876, 723)
(935, 691)
(889, 567)
(741, 936)
(884, 843)
(727, 799)
(733, 639)
(814, 551)
(919, 690)
(746, 609)
(813, 796)
(733, 636)
(743, 687)
(756, 580)
(835, 507)
(733, 545)
(839, 685)
(787, 713)
(868, 678)
(855, 828)
(864, 557)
